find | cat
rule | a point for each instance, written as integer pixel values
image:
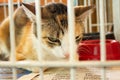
(54, 35)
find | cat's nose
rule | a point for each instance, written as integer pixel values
(67, 55)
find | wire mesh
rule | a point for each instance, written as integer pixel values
(101, 23)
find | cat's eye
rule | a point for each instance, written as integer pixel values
(51, 39)
(78, 38)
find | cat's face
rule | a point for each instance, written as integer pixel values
(55, 27)
(55, 36)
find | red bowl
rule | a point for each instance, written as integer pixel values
(90, 50)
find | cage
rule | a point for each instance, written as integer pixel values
(102, 24)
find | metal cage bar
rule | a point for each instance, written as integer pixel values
(71, 33)
(60, 1)
(12, 37)
(5, 12)
(53, 0)
(85, 23)
(105, 15)
(38, 21)
(102, 38)
(90, 20)
(45, 1)
(18, 3)
(98, 18)
(60, 64)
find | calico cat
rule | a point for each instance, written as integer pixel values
(54, 31)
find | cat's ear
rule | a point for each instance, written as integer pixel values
(81, 12)
(29, 11)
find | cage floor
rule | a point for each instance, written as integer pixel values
(87, 73)
(6, 73)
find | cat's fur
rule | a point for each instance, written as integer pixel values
(54, 31)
